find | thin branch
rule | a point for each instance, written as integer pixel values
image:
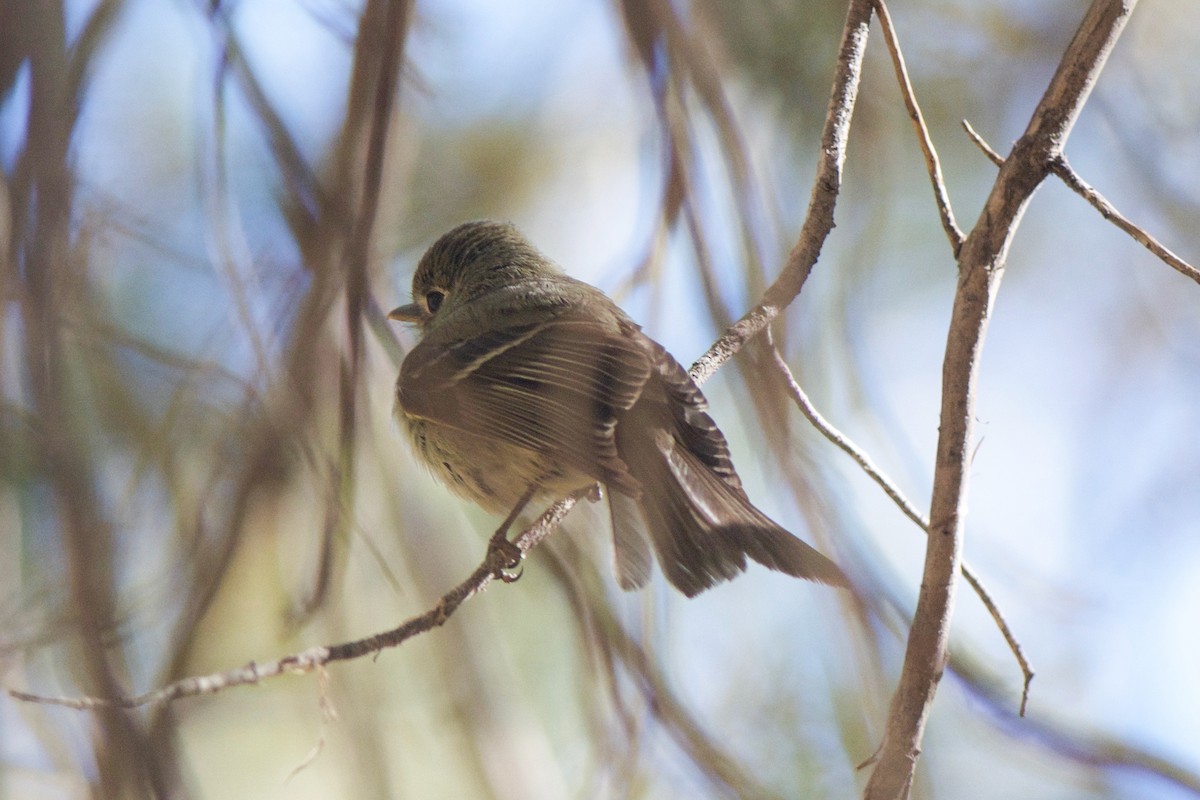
(995, 157)
(317, 657)
(981, 268)
(371, 100)
(818, 222)
(932, 164)
(1060, 167)
(893, 491)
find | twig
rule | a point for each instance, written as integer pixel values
(1060, 167)
(995, 157)
(981, 268)
(940, 196)
(317, 657)
(818, 222)
(891, 490)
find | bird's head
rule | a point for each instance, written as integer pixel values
(472, 260)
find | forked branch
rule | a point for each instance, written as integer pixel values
(981, 267)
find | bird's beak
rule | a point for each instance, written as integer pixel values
(409, 313)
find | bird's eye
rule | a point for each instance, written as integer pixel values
(433, 300)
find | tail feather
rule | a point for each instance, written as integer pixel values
(692, 553)
(741, 528)
(631, 550)
(702, 529)
(699, 521)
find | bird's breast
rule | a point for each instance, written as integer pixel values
(491, 473)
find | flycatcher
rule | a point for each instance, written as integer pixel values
(527, 382)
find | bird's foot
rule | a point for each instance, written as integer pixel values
(505, 557)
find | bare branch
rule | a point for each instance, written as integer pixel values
(1063, 170)
(893, 491)
(1060, 167)
(981, 268)
(317, 657)
(940, 196)
(995, 157)
(818, 222)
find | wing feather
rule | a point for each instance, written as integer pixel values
(553, 386)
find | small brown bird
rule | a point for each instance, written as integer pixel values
(527, 382)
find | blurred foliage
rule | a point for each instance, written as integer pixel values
(207, 208)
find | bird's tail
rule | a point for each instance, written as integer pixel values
(701, 528)
(692, 509)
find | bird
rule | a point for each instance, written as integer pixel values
(526, 383)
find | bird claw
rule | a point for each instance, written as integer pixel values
(509, 576)
(506, 557)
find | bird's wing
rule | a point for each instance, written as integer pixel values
(694, 428)
(552, 386)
